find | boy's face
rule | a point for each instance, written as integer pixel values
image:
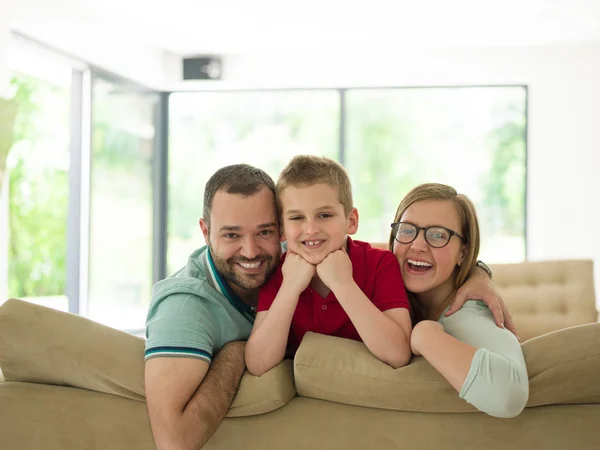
(314, 222)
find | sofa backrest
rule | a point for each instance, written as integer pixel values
(545, 296)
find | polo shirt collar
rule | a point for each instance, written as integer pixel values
(217, 282)
(350, 245)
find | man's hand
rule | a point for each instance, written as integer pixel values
(479, 286)
(297, 272)
(335, 269)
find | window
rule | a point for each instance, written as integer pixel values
(473, 138)
(212, 130)
(38, 190)
(470, 138)
(76, 220)
(120, 268)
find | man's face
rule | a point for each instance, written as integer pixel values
(244, 239)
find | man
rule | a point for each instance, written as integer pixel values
(202, 315)
(207, 307)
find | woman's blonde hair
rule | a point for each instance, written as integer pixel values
(469, 230)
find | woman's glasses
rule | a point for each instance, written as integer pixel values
(435, 236)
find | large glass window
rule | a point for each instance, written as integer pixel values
(211, 130)
(46, 252)
(394, 139)
(37, 191)
(121, 220)
(470, 138)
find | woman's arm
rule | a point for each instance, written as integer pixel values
(482, 362)
(449, 356)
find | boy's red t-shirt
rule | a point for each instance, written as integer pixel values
(375, 271)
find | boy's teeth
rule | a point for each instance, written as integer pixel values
(419, 263)
(309, 243)
(250, 265)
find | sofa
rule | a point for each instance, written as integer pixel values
(74, 384)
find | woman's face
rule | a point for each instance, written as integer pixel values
(426, 269)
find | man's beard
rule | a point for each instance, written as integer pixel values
(227, 269)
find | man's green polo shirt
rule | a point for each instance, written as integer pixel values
(194, 312)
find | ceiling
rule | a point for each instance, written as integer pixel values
(188, 27)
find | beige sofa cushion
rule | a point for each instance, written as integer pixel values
(563, 367)
(42, 345)
(43, 417)
(545, 296)
(258, 395)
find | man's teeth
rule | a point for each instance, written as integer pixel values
(419, 263)
(311, 243)
(253, 265)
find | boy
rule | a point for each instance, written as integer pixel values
(326, 282)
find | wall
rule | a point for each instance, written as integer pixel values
(69, 27)
(564, 120)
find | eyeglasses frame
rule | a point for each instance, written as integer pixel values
(450, 232)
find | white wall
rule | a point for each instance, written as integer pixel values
(564, 120)
(68, 27)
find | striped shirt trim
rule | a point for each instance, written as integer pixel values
(178, 351)
(212, 270)
(221, 287)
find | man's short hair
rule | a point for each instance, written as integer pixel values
(308, 170)
(235, 179)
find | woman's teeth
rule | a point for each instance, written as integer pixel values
(419, 263)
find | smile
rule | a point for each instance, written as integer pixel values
(418, 267)
(419, 263)
(312, 244)
(250, 267)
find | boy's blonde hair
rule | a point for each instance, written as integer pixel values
(307, 170)
(469, 230)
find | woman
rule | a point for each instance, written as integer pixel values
(435, 237)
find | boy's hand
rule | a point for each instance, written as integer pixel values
(335, 270)
(297, 272)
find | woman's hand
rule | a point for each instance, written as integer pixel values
(479, 286)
